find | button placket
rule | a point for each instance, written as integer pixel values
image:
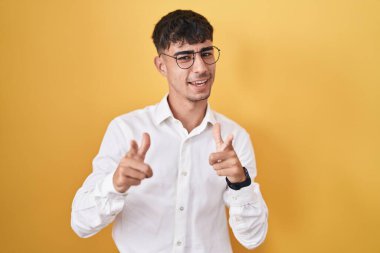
(182, 196)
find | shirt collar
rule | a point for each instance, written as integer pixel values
(163, 112)
(209, 117)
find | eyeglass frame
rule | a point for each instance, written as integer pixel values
(193, 53)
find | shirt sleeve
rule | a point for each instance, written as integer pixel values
(247, 209)
(97, 203)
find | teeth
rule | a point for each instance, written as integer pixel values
(198, 83)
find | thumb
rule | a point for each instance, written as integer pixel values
(145, 144)
(217, 136)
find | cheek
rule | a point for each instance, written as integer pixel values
(212, 70)
(178, 76)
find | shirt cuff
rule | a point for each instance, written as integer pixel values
(244, 196)
(108, 201)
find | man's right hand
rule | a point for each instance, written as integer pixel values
(132, 169)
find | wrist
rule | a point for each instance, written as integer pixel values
(241, 177)
(240, 184)
(236, 180)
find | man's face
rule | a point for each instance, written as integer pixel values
(192, 84)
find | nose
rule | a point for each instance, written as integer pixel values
(199, 66)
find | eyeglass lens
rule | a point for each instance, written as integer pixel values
(209, 56)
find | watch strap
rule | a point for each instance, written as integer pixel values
(238, 186)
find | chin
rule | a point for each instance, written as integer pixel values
(199, 98)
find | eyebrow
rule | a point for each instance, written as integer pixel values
(192, 51)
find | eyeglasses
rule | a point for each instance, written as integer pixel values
(185, 59)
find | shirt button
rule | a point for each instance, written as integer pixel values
(184, 173)
(181, 208)
(179, 243)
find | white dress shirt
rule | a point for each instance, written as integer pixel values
(182, 207)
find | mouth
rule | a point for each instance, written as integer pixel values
(199, 83)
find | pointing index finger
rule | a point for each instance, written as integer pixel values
(228, 143)
(133, 149)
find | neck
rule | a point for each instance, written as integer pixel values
(189, 113)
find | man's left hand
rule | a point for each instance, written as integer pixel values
(225, 161)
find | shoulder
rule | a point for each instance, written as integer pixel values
(133, 121)
(139, 114)
(136, 117)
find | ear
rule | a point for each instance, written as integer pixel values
(160, 65)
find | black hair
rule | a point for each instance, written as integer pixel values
(181, 26)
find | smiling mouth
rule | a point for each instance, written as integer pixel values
(198, 83)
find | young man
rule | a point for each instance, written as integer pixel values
(164, 173)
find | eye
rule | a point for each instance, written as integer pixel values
(207, 54)
(184, 58)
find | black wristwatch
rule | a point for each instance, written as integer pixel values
(238, 186)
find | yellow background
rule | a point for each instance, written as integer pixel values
(301, 76)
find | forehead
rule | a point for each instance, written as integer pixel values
(178, 46)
